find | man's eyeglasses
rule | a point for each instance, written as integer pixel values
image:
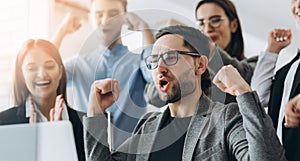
(169, 58)
(214, 22)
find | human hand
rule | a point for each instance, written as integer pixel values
(70, 23)
(56, 112)
(278, 39)
(33, 115)
(134, 22)
(103, 94)
(292, 113)
(229, 80)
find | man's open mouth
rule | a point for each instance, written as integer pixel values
(163, 84)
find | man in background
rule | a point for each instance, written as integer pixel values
(110, 60)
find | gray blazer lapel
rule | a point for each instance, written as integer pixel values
(146, 142)
(196, 127)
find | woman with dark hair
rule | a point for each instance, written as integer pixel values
(218, 19)
(39, 90)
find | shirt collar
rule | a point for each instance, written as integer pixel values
(117, 49)
(40, 116)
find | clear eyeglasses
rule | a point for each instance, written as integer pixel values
(214, 22)
(169, 58)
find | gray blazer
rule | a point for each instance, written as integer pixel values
(216, 132)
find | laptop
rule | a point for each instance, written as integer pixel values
(47, 141)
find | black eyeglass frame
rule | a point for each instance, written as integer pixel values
(176, 52)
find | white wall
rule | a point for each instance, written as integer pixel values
(257, 17)
(19, 20)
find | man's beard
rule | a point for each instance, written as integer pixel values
(180, 89)
(174, 97)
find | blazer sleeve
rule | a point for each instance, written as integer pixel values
(262, 76)
(250, 132)
(96, 143)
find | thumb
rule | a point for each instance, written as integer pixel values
(116, 90)
(52, 112)
(59, 114)
(33, 118)
(33, 115)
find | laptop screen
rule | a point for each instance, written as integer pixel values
(38, 142)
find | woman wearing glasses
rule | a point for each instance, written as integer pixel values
(218, 19)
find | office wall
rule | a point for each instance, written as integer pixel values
(16, 24)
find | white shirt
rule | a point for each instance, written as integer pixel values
(40, 116)
(288, 83)
(262, 81)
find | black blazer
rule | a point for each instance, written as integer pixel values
(16, 115)
(290, 136)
